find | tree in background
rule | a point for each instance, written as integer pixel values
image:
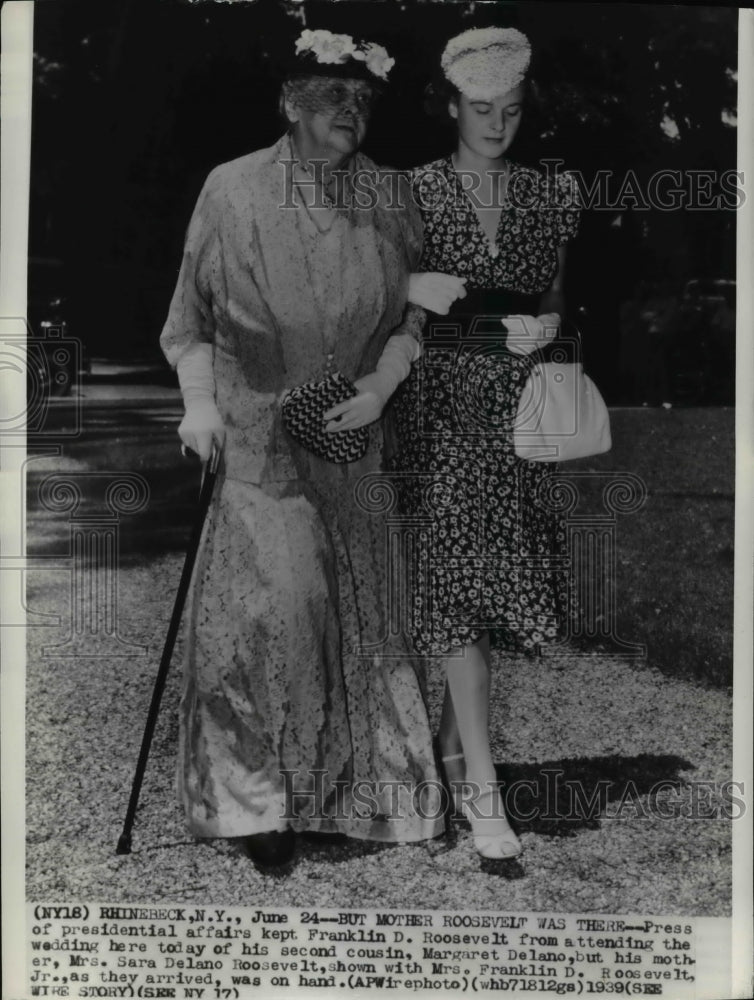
(133, 105)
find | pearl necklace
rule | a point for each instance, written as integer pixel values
(328, 201)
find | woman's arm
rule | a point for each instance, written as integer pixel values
(202, 424)
(376, 388)
(435, 291)
(190, 320)
(188, 335)
(430, 290)
(553, 299)
(528, 333)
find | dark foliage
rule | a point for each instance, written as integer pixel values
(134, 103)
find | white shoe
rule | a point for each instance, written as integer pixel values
(493, 835)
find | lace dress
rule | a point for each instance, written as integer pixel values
(493, 552)
(296, 695)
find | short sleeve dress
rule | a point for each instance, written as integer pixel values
(492, 551)
(300, 705)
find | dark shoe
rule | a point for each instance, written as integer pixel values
(270, 849)
(324, 837)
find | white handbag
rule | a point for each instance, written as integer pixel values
(561, 413)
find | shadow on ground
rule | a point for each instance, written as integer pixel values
(673, 568)
(558, 798)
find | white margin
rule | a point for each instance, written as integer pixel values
(742, 937)
(16, 22)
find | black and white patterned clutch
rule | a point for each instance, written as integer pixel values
(302, 415)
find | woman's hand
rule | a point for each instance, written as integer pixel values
(434, 291)
(359, 410)
(529, 333)
(201, 426)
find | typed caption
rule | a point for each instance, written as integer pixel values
(212, 953)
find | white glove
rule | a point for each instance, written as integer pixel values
(435, 291)
(202, 425)
(375, 389)
(529, 333)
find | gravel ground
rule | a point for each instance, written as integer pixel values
(620, 726)
(588, 719)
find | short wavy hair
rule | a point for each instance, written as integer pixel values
(440, 92)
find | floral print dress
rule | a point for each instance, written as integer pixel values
(492, 551)
(300, 705)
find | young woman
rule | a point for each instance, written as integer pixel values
(490, 572)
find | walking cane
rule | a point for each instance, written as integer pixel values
(205, 495)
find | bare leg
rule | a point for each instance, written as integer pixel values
(468, 678)
(451, 753)
(468, 682)
(448, 736)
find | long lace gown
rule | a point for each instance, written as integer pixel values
(298, 700)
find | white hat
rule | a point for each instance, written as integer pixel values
(486, 62)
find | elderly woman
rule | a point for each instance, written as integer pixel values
(297, 713)
(490, 573)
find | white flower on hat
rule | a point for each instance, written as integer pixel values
(326, 46)
(483, 63)
(379, 63)
(332, 49)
